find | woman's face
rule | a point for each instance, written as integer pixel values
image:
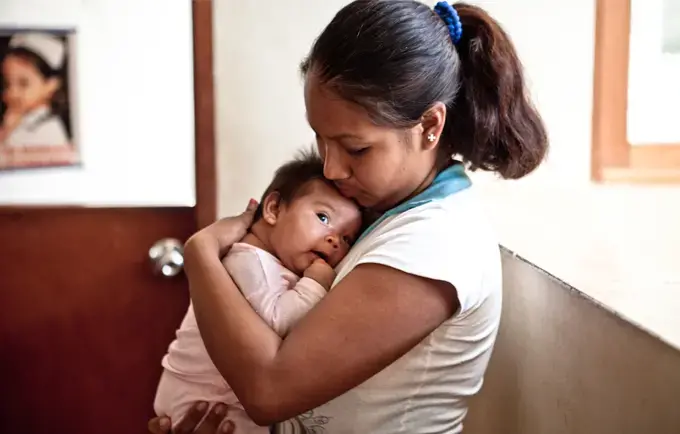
(25, 88)
(377, 166)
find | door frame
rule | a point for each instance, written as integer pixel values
(204, 113)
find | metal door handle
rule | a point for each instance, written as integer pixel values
(167, 257)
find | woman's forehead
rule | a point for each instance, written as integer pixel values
(330, 115)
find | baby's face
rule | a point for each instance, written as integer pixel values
(319, 223)
(25, 88)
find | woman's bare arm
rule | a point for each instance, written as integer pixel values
(371, 318)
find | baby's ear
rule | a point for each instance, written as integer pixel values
(271, 205)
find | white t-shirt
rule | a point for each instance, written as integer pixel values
(426, 390)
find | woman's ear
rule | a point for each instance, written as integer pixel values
(271, 207)
(432, 122)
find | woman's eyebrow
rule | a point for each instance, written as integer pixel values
(343, 136)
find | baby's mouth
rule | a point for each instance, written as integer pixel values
(321, 255)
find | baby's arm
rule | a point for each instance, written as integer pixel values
(269, 295)
(294, 303)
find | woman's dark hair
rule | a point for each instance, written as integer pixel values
(396, 59)
(59, 102)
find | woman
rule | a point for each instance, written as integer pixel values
(393, 91)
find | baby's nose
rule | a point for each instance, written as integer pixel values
(333, 241)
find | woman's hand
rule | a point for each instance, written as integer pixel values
(223, 233)
(213, 423)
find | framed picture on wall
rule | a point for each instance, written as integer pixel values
(36, 125)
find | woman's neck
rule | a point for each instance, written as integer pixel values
(426, 182)
(414, 192)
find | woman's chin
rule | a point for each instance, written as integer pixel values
(366, 202)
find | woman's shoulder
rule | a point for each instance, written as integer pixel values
(458, 219)
(447, 240)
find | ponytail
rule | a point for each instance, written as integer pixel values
(492, 123)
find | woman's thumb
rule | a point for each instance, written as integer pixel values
(252, 206)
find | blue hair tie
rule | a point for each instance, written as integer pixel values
(449, 15)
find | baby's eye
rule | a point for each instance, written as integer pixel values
(323, 217)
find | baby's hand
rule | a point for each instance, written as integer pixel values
(321, 272)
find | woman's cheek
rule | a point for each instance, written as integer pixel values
(321, 148)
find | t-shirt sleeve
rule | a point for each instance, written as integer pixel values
(427, 243)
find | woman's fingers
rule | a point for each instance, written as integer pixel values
(213, 423)
(228, 427)
(231, 230)
(222, 234)
(248, 215)
(252, 206)
(243, 220)
(191, 420)
(213, 420)
(159, 425)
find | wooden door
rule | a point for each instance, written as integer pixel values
(85, 321)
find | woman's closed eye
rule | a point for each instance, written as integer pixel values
(323, 217)
(357, 151)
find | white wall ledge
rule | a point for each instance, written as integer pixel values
(617, 245)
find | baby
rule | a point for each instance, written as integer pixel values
(303, 227)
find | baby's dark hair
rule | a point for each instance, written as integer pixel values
(291, 178)
(396, 58)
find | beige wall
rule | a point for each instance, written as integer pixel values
(260, 110)
(563, 365)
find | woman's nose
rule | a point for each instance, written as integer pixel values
(334, 168)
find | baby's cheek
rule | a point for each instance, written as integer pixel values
(342, 255)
